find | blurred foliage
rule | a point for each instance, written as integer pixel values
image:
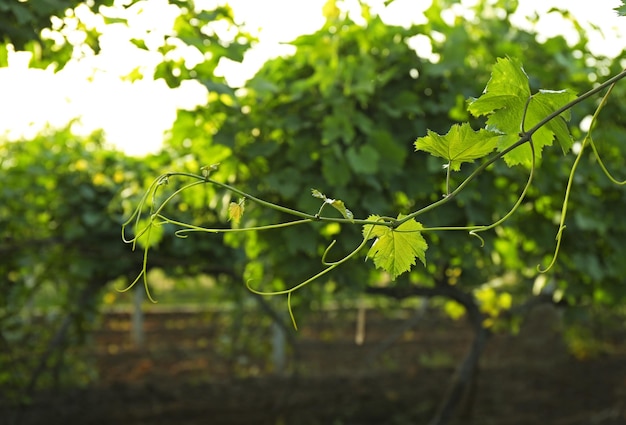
(63, 197)
(21, 22)
(59, 240)
(23, 25)
(199, 32)
(340, 115)
(62, 201)
(56, 31)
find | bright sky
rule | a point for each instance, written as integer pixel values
(134, 115)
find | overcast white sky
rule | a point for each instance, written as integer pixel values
(135, 115)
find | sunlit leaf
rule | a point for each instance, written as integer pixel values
(330, 10)
(235, 211)
(113, 20)
(139, 43)
(335, 203)
(340, 206)
(4, 56)
(461, 144)
(395, 250)
(546, 102)
(512, 110)
(133, 75)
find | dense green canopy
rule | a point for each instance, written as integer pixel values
(354, 113)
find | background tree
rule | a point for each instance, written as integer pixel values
(23, 26)
(347, 106)
(64, 198)
(58, 240)
(340, 115)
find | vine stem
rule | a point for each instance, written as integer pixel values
(525, 137)
(329, 267)
(593, 145)
(473, 230)
(189, 228)
(570, 181)
(389, 221)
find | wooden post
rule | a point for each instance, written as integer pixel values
(359, 336)
(279, 355)
(137, 334)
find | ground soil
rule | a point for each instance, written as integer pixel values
(191, 372)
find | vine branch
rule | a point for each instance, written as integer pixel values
(524, 138)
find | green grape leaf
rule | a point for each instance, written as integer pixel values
(340, 206)
(546, 102)
(335, 203)
(621, 10)
(507, 87)
(504, 101)
(395, 250)
(460, 144)
(235, 211)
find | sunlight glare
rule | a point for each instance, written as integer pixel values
(135, 114)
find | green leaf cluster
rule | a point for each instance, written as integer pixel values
(21, 22)
(62, 200)
(342, 108)
(196, 30)
(341, 114)
(512, 110)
